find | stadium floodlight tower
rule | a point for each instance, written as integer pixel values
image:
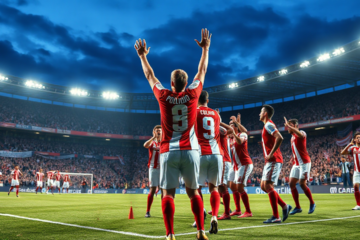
(74, 178)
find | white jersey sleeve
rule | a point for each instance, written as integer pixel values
(244, 136)
(303, 133)
(270, 128)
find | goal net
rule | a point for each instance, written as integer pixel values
(77, 182)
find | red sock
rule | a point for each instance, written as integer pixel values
(11, 188)
(280, 201)
(357, 197)
(226, 200)
(48, 189)
(221, 194)
(236, 196)
(59, 190)
(168, 209)
(309, 195)
(295, 195)
(67, 190)
(197, 207)
(36, 189)
(215, 202)
(274, 202)
(200, 193)
(149, 202)
(245, 200)
(17, 190)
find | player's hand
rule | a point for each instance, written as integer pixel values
(205, 39)
(352, 141)
(233, 119)
(286, 122)
(140, 47)
(238, 119)
(268, 157)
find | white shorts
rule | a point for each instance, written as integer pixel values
(232, 174)
(243, 173)
(154, 177)
(14, 182)
(48, 183)
(66, 185)
(271, 172)
(211, 169)
(301, 172)
(356, 177)
(57, 184)
(226, 173)
(39, 184)
(52, 183)
(183, 163)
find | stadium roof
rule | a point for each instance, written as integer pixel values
(338, 69)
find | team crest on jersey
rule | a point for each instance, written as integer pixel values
(194, 85)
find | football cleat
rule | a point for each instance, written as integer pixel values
(224, 217)
(17, 195)
(147, 215)
(235, 213)
(170, 237)
(245, 215)
(204, 214)
(201, 235)
(296, 210)
(213, 225)
(357, 207)
(286, 212)
(312, 208)
(194, 225)
(8, 193)
(273, 220)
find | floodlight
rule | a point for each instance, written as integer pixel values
(78, 92)
(305, 64)
(261, 78)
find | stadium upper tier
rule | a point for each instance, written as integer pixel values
(337, 69)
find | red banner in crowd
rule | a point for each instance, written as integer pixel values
(48, 153)
(110, 158)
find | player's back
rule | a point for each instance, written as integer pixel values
(225, 145)
(178, 116)
(208, 131)
(298, 147)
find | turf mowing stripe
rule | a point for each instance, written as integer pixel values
(86, 227)
(181, 234)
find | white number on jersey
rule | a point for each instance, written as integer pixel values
(179, 113)
(208, 124)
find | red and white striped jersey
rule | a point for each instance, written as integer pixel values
(58, 176)
(355, 151)
(178, 117)
(298, 147)
(50, 174)
(241, 152)
(154, 155)
(208, 131)
(225, 145)
(66, 178)
(268, 142)
(15, 174)
(39, 176)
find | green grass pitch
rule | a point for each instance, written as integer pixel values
(110, 211)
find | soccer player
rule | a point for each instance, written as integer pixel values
(211, 160)
(57, 180)
(179, 146)
(66, 183)
(39, 180)
(243, 164)
(353, 148)
(15, 180)
(271, 141)
(153, 144)
(49, 183)
(302, 164)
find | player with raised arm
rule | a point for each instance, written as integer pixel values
(179, 146)
(243, 164)
(271, 141)
(353, 148)
(153, 145)
(39, 180)
(57, 180)
(211, 159)
(15, 180)
(49, 182)
(302, 165)
(66, 183)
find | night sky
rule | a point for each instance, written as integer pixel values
(89, 44)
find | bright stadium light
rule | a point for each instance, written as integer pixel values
(305, 64)
(233, 85)
(323, 57)
(338, 51)
(261, 78)
(78, 92)
(33, 84)
(3, 78)
(283, 71)
(110, 95)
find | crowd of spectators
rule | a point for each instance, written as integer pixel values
(343, 103)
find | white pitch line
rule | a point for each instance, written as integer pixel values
(181, 234)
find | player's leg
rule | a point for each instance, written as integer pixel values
(11, 186)
(154, 181)
(202, 178)
(294, 178)
(223, 190)
(241, 181)
(236, 197)
(304, 177)
(356, 182)
(17, 190)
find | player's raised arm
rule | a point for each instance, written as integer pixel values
(237, 123)
(142, 51)
(229, 130)
(205, 45)
(294, 129)
(345, 151)
(148, 143)
(278, 140)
